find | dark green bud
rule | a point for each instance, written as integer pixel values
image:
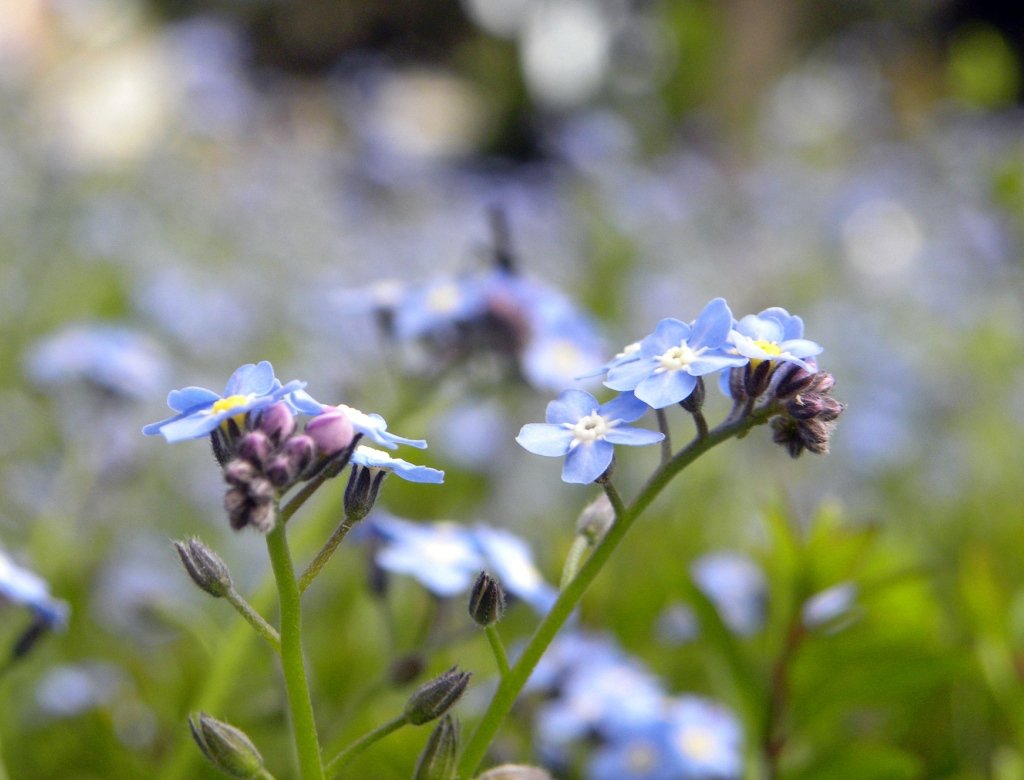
(434, 698)
(204, 566)
(361, 491)
(486, 600)
(437, 761)
(225, 746)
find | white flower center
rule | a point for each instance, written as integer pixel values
(678, 358)
(697, 742)
(590, 428)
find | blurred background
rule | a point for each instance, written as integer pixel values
(188, 186)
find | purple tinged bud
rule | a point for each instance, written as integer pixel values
(235, 501)
(277, 422)
(261, 491)
(438, 759)
(738, 384)
(486, 600)
(239, 472)
(793, 380)
(434, 698)
(255, 446)
(204, 566)
(280, 470)
(332, 432)
(226, 747)
(757, 376)
(262, 517)
(300, 451)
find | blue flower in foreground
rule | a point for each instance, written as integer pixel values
(676, 354)
(377, 459)
(20, 586)
(586, 432)
(201, 411)
(774, 334)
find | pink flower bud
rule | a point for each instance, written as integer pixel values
(332, 432)
(277, 421)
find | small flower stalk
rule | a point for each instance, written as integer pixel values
(434, 698)
(226, 747)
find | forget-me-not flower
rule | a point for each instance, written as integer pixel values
(585, 432)
(675, 355)
(371, 425)
(20, 586)
(201, 411)
(378, 459)
(776, 335)
(736, 586)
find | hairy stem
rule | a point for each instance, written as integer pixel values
(325, 553)
(363, 743)
(499, 649)
(254, 618)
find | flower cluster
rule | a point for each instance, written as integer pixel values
(257, 443)
(594, 689)
(21, 586)
(762, 359)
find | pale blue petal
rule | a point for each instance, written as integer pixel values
(792, 326)
(626, 407)
(570, 406)
(302, 402)
(545, 439)
(240, 379)
(709, 363)
(587, 462)
(712, 326)
(665, 389)
(627, 376)
(189, 399)
(801, 348)
(760, 327)
(154, 428)
(193, 426)
(668, 333)
(637, 437)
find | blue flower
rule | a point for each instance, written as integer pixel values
(774, 334)
(707, 739)
(371, 425)
(377, 459)
(829, 607)
(201, 411)
(676, 354)
(20, 586)
(111, 357)
(737, 588)
(586, 432)
(628, 354)
(510, 560)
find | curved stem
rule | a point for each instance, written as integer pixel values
(307, 746)
(362, 743)
(499, 649)
(254, 618)
(511, 684)
(325, 553)
(666, 443)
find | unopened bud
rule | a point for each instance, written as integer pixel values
(434, 698)
(261, 491)
(239, 472)
(486, 600)
(596, 518)
(515, 772)
(277, 421)
(204, 566)
(255, 447)
(793, 380)
(226, 747)
(694, 402)
(332, 432)
(737, 383)
(437, 761)
(300, 450)
(280, 470)
(815, 435)
(262, 517)
(757, 376)
(785, 433)
(361, 491)
(236, 504)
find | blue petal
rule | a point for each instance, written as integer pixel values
(792, 326)
(627, 376)
(712, 326)
(668, 333)
(302, 402)
(801, 348)
(665, 389)
(587, 462)
(545, 439)
(760, 327)
(239, 379)
(709, 362)
(636, 437)
(193, 426)
(626, 407)
(154, 428)
(570, 406)
(189, 399)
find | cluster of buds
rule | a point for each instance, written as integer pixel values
(808, 413)
(265, 457)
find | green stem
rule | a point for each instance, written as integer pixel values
(325, 554)
(254, 619)
(307, 745)
(574, 559)
(499, 649)
(666, 443)
(512, 683)
(362, 743)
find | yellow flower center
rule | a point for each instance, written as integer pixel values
(589, 428)
(229, 403)
(770, 348)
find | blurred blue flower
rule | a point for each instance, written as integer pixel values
(510, 561)
(628, 354)
(676, 354)
(438, 305)
(829, 606)
(21, 586)
(774, 334)
(200, 411)
(707, 738)
(586, 432)
(377, 459)
(113, 358)
(737, 588)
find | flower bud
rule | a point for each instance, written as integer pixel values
(596, 518)
(204, 566)
(262, 517)
(486, 600)
(254, 447)
(785, 433)
(437, 761)
(361, 491)
(300, 450)
(332, 432)
(236, 504)
(434, 698)
(757, 376)
(225, 746)
(694, 402)
(277, 422)
(261, 491)
(239, 472)
(793, 380)
(515, 772)
(737, 384)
